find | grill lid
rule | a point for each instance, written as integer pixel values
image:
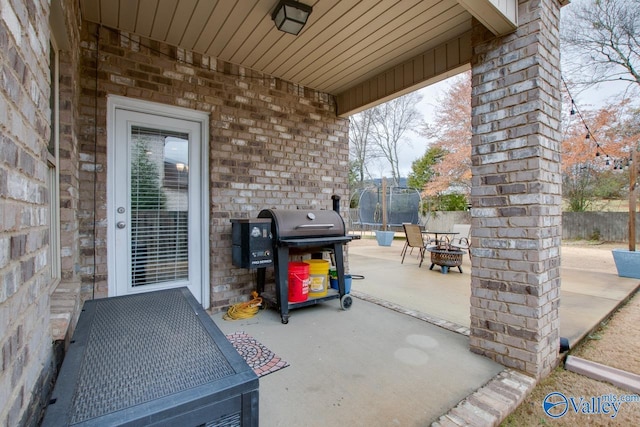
(304, 223)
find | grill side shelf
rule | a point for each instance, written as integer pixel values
(331, 294)
(315, 241)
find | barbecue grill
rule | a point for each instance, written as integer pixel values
(304, 231)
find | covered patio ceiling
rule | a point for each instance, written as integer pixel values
(363, 52)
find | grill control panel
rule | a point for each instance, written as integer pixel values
(252, 243)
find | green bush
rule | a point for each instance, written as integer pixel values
(445, 202)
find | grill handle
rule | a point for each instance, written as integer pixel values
(315, 226)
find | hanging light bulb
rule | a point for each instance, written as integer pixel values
(588, 136)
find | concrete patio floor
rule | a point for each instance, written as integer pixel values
(590, 286)
(386, 362)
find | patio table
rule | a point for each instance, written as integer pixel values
(443, 233)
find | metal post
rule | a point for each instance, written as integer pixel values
(633, 174)
(384, 204)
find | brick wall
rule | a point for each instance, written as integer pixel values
(516, 192)
(25, 283)
(65, 299)
(69, 153)
(272, 144)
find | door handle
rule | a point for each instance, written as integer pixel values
(121, 224)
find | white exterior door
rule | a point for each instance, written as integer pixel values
(157, 216)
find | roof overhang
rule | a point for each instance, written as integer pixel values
(362, 52)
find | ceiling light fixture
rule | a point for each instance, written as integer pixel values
(290, 16)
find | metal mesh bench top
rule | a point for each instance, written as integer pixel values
(143, 349)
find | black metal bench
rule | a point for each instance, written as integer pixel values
(153, 358)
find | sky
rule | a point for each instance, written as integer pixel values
(415, 146)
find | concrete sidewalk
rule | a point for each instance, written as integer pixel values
(400, 356)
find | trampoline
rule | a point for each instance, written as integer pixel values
(402, 207)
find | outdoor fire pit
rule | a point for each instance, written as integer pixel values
(446, 257)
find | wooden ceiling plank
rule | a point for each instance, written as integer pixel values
(261, 32)
(90, 10)
(348, 37)
(325, 18)
(277, 41)
(349, 103)
(180, 22)
(441, 59)
(213, 29)
(127, 15)
(418, 18)
(234, 24)
(162, 20)
(261, 12)
(109, 13)
(341, 79)
(339, 85)
(145, 16)
(345, 31)
(201, 14)
(373, 65)
(429, 63)
(453, 54)
(418, 66)
(408, 36)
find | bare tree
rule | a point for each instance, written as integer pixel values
(391, 122)
(361, 148)
(602, 41)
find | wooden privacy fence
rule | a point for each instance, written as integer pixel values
(603, 226)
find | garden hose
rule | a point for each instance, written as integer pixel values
(244, 310)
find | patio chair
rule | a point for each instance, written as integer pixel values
(413, 234)
(462, 239)
(406, 242)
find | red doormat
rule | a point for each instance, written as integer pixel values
(262, 360)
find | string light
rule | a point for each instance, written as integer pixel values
(618, 163)
(589, 135)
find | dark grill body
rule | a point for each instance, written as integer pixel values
(307, 231)
(304, 224)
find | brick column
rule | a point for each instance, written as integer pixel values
(516, 194)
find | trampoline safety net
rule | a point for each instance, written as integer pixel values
(402, 206)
